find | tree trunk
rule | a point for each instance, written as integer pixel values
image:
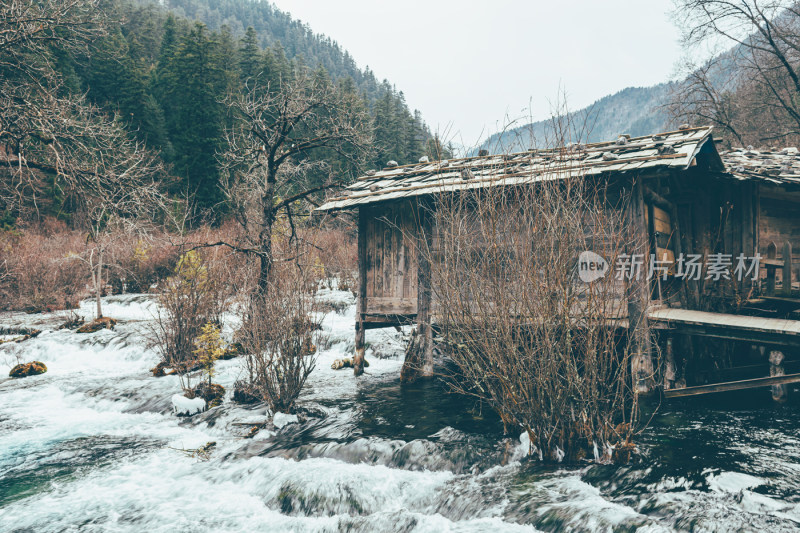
(99, 283)
(265, 237)
(95, 270)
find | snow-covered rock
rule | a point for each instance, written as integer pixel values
(181, 405)
(282, 419)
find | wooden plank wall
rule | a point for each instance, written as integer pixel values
(710, 216)
(779, 222)
(391, 258)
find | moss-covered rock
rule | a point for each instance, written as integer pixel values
(191, 365)
(159, 370)
(97, 324)
(623, 453)
(73, 322)
(308, 347)
(213, 394)
(25, 334)
(28, 369)
(346, 362)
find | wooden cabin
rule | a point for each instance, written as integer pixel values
(692, 200)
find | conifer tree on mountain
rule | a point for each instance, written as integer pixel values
(117, 81)
(162, 79)
(251, 60)
(195, 84)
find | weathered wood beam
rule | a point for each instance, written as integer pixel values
(391, 306)
(637, 292)
(786, 288)
(732, 385)
(654, 198)
(772, 253)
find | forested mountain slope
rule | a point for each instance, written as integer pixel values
(165, 69)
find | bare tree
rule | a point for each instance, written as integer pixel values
(53, 143)
(30, 29)
(112, 214)
(37, 120)
(267, 170)
(752, 88)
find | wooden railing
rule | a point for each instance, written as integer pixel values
(772, 264)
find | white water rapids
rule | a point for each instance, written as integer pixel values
(92, 445)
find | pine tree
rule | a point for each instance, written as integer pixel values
(163, 80)
(251, 61)
(118, 82)
(195, 86)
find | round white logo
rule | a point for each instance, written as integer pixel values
(591, 266)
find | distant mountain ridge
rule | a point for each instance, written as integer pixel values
(634, 110)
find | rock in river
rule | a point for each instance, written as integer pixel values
(28, 369)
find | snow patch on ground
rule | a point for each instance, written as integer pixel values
(181, 405)
(283, 419)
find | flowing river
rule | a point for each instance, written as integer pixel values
(92, 445)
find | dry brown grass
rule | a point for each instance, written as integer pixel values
(35, 272)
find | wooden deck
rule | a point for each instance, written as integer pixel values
(733, 327)
(774, 332)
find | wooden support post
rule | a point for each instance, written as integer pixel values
(361, 302)
(424, 316)
(638, 296)
(670, 370)
(677, 242)
(786, 288)
(772, 253)
(419, 354)
(779, 392)
(748, 243)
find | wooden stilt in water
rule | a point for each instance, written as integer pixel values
(779, 392)
(358, 359)
(419, 354)
(670, 370)
(638, 296)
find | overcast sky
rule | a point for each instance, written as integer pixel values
(467, 65)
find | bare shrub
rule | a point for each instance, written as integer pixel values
(192, 298)
(544, 349)
(144, 262)
(279, 335)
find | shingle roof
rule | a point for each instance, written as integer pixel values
(775, 166)
(675, 149)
